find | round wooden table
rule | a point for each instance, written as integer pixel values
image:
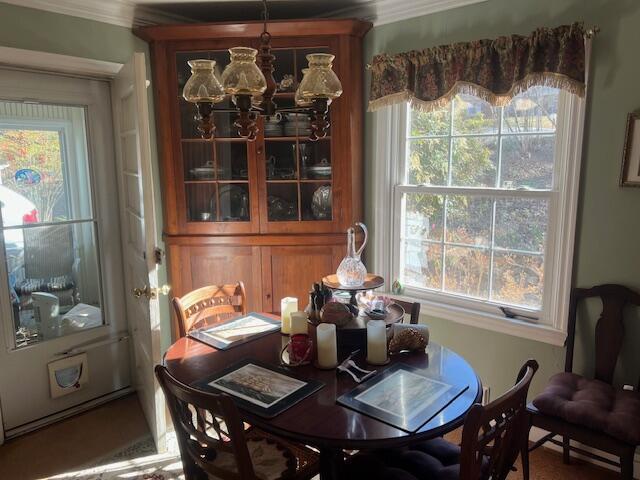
(318, 420)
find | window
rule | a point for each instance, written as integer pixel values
(47, 221)
(479, 194)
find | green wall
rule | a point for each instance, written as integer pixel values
(32, 29)
(608, 229)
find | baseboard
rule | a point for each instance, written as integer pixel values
(56, 417)
(537, 433)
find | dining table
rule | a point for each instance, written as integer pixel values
(318, 420)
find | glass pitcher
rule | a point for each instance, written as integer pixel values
(352, 272)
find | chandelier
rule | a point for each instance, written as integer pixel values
(251, 87)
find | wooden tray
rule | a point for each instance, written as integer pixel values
(371, 282)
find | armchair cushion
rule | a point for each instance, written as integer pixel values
(593, 404)
(54, 284)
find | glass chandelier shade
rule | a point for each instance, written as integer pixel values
(248, 81)
(320, 82)
(242, 76)
(203, 86)
(302, 102)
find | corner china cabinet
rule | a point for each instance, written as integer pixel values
(272, 212)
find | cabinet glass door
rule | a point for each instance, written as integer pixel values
(217, 174)
(298, 172)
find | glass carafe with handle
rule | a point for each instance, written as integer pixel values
(352, 272)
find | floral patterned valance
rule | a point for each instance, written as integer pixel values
(495, 70)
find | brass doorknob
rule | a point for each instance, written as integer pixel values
(139, 292)
(151, 292)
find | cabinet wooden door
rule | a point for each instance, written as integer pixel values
(290, 271)
(214, 180)
(198, 266)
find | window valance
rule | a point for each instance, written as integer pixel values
(495, 70)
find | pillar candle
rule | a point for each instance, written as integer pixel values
(376, 342)
(327, 348)
(299, 323)
(287, 306)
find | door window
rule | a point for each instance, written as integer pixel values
(48, 226)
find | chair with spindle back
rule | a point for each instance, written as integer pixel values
(214, 445)
(210, 304)
(411, 308)
(593, 412)
(492, 438)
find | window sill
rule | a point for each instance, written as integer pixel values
(487, 321)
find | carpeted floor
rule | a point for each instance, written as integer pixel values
(112, 442)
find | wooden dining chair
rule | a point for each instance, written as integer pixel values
(210, 304)
(492, 438)
(412, 308)
(593, 412)
(214, 444)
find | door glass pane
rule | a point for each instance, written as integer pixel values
(48, 230)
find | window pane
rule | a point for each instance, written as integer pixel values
(53, 280)
(37, 182)
(517, 279)
(521, 224)
(423, 216)
(467, 271)
(472, 115)
(437, 122)
(428, 162)
(469, 220)
(527, 161)
(421, 264)
(475, 162)
(535, 110)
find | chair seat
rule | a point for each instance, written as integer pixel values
(435, 459)
(592, 404)
(273, 458)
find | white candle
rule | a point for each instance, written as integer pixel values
(327, 348)
(299, 323)
(376, 342)
(287, 306)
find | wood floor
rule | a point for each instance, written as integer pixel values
(78, 442)
(92, 438)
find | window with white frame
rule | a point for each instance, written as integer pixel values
(484, 204)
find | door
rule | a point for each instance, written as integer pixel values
(63, 341)
(133, 153)
(290, 271)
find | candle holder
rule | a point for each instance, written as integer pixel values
(298, 351)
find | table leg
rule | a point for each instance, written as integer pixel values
(331, 461)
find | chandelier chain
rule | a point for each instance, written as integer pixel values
(265, 15)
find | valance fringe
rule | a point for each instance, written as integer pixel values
(430, 78)
(551, 80)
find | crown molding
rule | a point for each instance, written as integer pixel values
(381, 12)
(116, 12)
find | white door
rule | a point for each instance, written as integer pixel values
(133, 151)
(64, 343)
